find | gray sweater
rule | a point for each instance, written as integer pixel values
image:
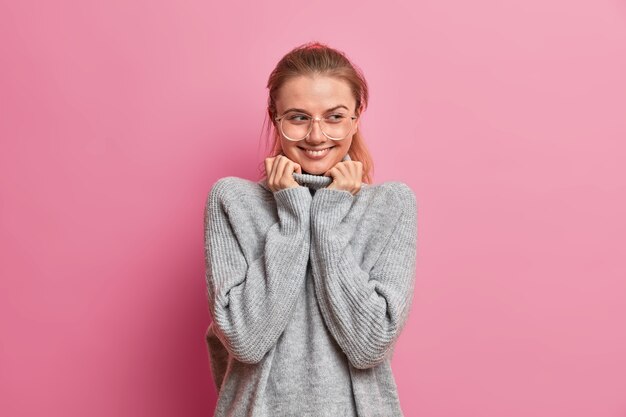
(309, 289)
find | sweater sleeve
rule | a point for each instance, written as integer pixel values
(251, 300)
(365, 311)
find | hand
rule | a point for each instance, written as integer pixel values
(347, 175)
(280, 171)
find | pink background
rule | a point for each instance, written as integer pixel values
(507, 118)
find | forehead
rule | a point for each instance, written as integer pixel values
(315, 93)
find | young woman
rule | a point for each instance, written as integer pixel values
(310, 270)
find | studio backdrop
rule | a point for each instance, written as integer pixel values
(506, 118)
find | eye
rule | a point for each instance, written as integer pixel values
(335, 118)
(296, 117)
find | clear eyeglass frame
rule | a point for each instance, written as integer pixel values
(318, 119)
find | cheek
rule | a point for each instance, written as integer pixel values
(284, 143)
(346, 143)
(289, 148)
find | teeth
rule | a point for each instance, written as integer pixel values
(317, 153)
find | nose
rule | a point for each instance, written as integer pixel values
(316, 136)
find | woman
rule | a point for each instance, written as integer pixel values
(310, 271)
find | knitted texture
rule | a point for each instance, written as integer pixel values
(309, 289)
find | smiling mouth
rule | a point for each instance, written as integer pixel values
(320, 149)
(317, 152)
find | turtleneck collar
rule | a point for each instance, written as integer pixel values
(315, 181)
(312, 181)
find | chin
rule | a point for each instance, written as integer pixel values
(314, 170)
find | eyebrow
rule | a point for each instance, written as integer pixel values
(304, 111)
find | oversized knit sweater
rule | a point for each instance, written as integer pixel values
(309, 289)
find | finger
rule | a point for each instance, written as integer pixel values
(280, 169)
(268, 171)
(359, 175)
(292, 166)
(289, 167)
(273, 173)
(348, 176)
(354, 176)
(343, 177)
(344, 168)
(354, 169)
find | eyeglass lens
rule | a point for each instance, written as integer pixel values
(296, 126)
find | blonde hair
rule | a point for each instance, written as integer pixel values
(315, 58)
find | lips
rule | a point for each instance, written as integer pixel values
(316, 153)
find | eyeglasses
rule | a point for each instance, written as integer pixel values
(297, 126)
